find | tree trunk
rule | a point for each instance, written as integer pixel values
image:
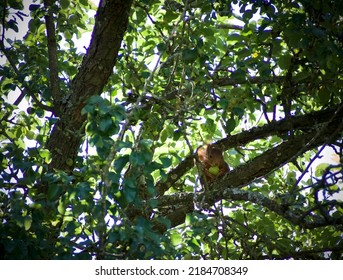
(110, 25)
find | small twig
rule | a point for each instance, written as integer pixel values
(307, 168)
(229, 26)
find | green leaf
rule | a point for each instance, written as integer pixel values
(209, 126)
(117, 111)
(121, 162)
(145, 74)
(164, 135)
(223, 103)
(68, 35)
(45, 154)
(170, 15)
(190, 55)
(238, 74)
(302, 76)
(123, 145)
(130, 189)
(166, 161)
(238, 111)
(139, 157)
(12, 24)
(34, 7)
(61, 207)
(230, 125)
(284, 61)
(324, 96)
(27, 222)
(318, 32)
(176, 239)
(284, 245)
(320, 169)
(54, 192)
(161, 47)
(73, 19)
(105, 124)
(65, 4)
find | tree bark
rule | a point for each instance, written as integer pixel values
(110, 26)
(52, 52)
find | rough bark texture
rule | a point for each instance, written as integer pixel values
(110, 25)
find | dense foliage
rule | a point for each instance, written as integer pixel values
(98, 145)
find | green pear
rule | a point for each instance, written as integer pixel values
(214, 170)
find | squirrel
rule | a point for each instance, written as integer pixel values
(212, 163)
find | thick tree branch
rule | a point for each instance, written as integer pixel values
(110, 25)
(227, 81)
(229, 26)
(308, 221)
(52, 53)
(304, 219)
(279, 80)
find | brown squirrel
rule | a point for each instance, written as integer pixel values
(212, 163)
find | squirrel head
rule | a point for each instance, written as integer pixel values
(210, 155)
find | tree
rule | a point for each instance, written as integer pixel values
(102, 163)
